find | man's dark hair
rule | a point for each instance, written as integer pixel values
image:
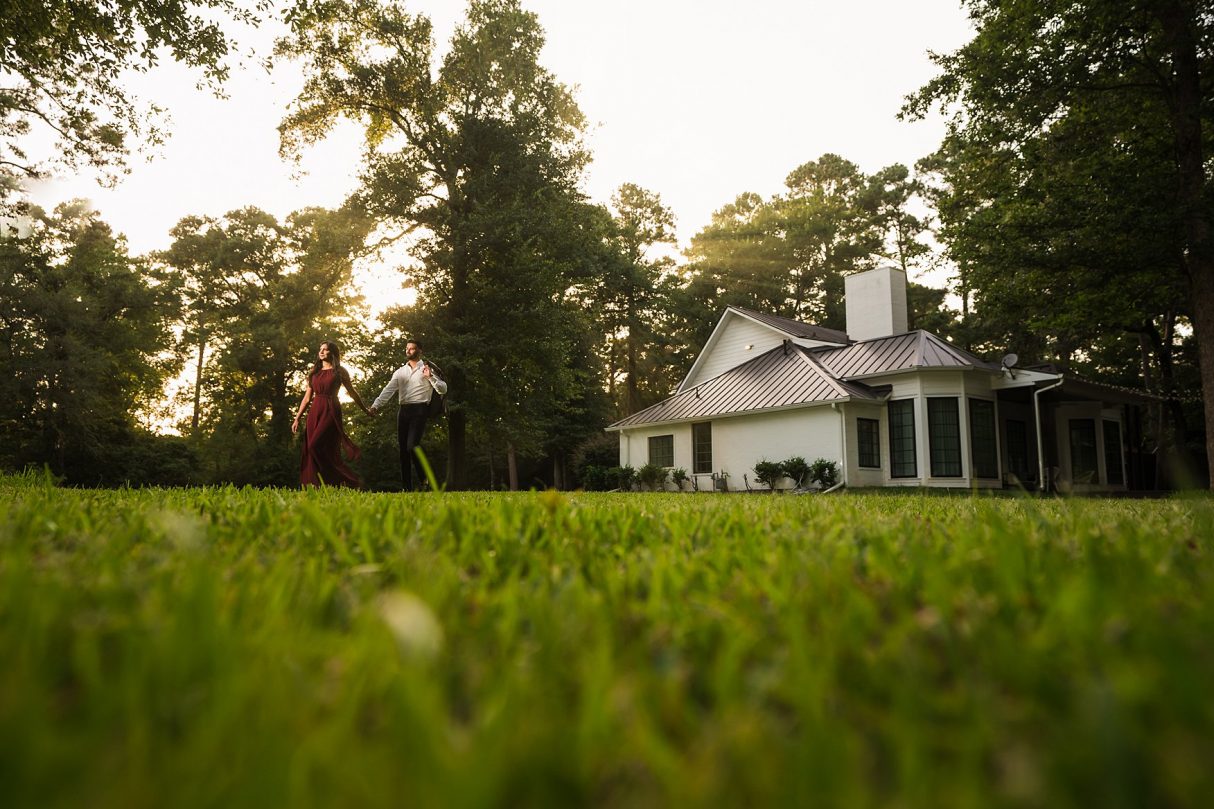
(415, 342)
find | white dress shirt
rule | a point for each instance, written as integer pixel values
(409, 386)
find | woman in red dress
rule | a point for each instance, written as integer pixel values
(324, 437)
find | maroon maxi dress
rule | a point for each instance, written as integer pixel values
(324, 437)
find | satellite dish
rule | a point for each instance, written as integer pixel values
(1009, 362)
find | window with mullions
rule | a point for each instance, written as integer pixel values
(984, 452)
(1083, 450)
(1112, 453)
(661, 450)
(944, 436)
(902, 439)
(868, 433)
(701, 448)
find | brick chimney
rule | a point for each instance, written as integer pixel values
(876, 303)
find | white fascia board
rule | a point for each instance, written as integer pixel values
(918, 369)
(1023, 379)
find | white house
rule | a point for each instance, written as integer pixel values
(892, 407)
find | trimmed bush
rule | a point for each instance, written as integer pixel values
(769, 473)
(652, 477)
(824, 472)
(796, 469)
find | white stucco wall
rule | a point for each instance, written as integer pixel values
(739, 442)
(857, 476)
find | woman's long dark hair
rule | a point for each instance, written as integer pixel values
(334, 358)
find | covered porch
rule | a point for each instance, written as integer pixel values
(1069, 435)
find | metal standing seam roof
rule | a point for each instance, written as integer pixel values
(900, 352)
(785, 376)
(795, 328)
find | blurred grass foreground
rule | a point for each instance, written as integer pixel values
(232, 648)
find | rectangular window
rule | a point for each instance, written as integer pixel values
(701, 448)
(661, 450)
(1112, 453)
(1017, 448)
(944, 436)
(984, 453)
(1083, 450)
(902, 439)
(868, 433)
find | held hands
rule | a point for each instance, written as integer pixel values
(372, 411)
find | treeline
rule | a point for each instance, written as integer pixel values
(551, 315)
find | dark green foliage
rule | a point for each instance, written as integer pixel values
(769, 473)
(788, 255)
(260, 297)
(83, 330)
(797, 470)
(824, 472)
(1074, 189)
(482, 153)
(66, 63)
(653, 477)
(678, 477)
(623, 477)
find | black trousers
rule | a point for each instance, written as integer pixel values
(410, 424)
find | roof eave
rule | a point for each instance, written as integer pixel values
(615, 428)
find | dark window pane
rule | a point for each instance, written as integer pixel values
(868, 432)
(944, 437)
(1018, 449)
(701, 441)
(985, 452)
(1112, 453)
(661, 450)
(1083, 450)
(902, 439)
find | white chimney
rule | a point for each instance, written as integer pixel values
(876, 303)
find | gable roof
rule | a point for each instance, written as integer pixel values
(794, 328)
(900, 352)
(786, 376)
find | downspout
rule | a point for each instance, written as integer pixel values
(1040, 445)
(838, 407)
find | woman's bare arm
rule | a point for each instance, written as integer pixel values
(303, 405)
(345, 379)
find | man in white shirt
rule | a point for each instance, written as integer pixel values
(413, 384)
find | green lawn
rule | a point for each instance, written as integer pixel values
(228, 648)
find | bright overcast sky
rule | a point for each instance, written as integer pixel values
(697, 100)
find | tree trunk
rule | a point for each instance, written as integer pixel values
(558, 470)
(634, 396)
(456, 449)
(202, 348)
(1178, 20)
(512, 465)
(492, 470)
